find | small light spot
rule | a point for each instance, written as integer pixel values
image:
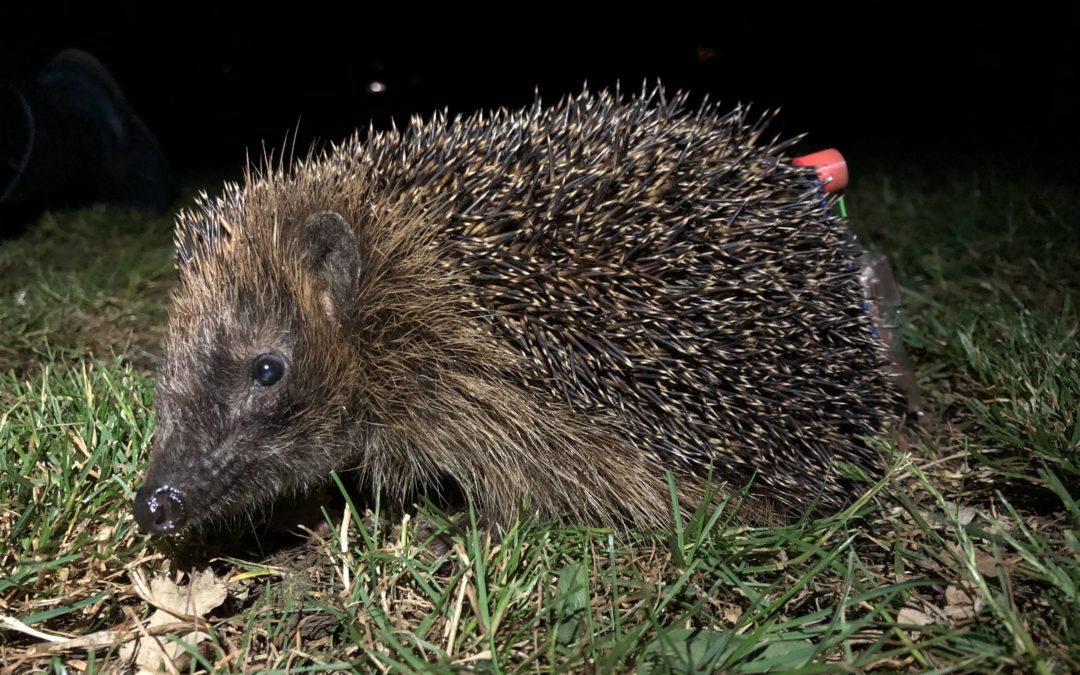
(376, 87)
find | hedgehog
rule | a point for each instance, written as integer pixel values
(557, 310)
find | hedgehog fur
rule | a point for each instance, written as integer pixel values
(551, 306)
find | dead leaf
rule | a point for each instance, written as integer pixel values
(191, 602)
(202, 594)
(913, 617)
(986, 563)
(964, 515)
(962, 601)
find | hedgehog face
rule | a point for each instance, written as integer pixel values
(246, 399)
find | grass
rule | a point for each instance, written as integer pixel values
(965, 558)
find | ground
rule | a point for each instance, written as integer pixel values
(964, 558)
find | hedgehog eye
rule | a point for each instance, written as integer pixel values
(267, 369)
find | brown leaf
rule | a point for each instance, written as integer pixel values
(203, 594)
(913, 617)
(962, 601)
(986, 563)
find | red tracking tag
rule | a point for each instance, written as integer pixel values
(831, 168)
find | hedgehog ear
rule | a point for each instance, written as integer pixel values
(331, 252)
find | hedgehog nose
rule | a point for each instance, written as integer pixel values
(159, 510)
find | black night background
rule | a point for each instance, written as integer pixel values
(933, 84)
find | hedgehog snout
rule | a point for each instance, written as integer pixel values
(160, 509)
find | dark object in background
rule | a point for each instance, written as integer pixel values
(68, 138)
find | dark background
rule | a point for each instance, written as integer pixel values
(936, 84)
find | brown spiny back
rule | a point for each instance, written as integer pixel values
(561, 303)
